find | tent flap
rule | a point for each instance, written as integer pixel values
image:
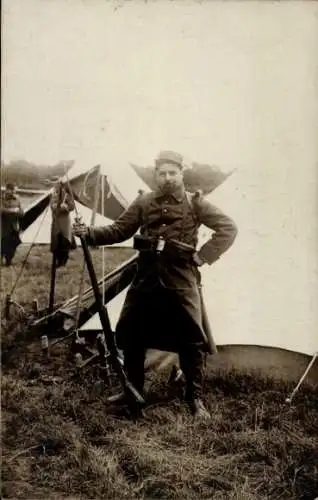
(35, 210)
(198, 176)
(111, 202)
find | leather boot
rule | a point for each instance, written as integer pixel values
(198, 409)
(126, 406)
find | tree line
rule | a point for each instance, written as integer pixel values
(28, 175)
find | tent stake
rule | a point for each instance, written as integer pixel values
(293, 393)
(45, 345)
(8, 303)
(35, 307)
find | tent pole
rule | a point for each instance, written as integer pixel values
(92, 222)
(103, 248)
(293, 393)
(52, 288)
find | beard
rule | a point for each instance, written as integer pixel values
(169, 187)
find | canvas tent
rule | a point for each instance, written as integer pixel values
(111, 201)
(82, 177)
(197, 176)
(260, 295)
(39, 231)
(37, 219)
(267, 283)
(118, 186)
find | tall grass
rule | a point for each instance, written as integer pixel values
(61, 439)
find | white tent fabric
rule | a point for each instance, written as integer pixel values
(113, 307)
(125, 179)
(264, 290)
(123, 176)
(40, 231)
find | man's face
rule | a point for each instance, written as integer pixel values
(169, 177)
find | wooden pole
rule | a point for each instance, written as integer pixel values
(52, 288)
(92, 221)
(129, 389)
(291, 396)
(135, 399)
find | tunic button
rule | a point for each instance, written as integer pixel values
(165, 210)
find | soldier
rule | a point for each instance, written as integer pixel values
(163, 308)
(11, 213)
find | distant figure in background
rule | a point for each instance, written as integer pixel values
(11, 213)
(62, 239)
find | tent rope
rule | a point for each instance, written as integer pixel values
(28, 254)
(103, 248)
(304, 375)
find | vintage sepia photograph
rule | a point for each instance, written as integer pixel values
(159, 250)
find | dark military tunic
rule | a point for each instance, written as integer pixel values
(11, 213)
(163, 305)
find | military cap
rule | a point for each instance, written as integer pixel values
(169, 157)
(10, 186)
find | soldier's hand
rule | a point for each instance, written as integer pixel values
(63, 207)
(80, 229)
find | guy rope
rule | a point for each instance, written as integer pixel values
(8, 301)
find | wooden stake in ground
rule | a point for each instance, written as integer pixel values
(52, 287)
(293, 393)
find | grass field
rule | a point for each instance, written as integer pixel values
(61, 440)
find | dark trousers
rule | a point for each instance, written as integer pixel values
(191, 362)
(9, 244)
(61, 257)
(61, 249)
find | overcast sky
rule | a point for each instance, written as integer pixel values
(224, 82)
(231, 83)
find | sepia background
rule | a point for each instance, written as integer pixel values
(233, 84)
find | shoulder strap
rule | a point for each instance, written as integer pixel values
(192, 199)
